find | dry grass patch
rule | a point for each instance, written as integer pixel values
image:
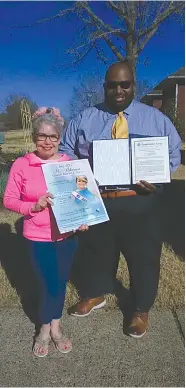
(14, 142)
(13, 136)
(171, 286)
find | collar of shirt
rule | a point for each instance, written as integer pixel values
(127, 111)
(129, 108)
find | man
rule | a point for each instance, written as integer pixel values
(134, 227)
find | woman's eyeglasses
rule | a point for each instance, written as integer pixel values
(115, 84)
(43, 137)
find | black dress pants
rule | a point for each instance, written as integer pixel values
(133, 229)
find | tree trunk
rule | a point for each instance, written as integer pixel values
(131, 55)
(131, 49)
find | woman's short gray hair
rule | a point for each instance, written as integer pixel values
(48, 119)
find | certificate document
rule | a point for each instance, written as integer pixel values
(150, 159)
(111, 162)
(77, 200)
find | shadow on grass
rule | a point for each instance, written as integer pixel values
(124, 303)
(15, 262)
(173, 216)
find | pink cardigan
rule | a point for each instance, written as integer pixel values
(25, 186)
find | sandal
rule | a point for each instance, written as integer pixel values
(66, 345)
(41, 343)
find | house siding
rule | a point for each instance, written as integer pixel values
(171, 100)
(181, 102)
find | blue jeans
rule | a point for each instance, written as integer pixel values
(52, 263)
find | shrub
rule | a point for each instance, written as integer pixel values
(3, 181)
(179, 124)
(9, 157)
(181, 130)
(176, 120)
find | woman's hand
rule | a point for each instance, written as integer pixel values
(82, 228)
(43, 202)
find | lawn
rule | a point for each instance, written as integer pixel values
(14, 143)
(15, 276)
(13, 270)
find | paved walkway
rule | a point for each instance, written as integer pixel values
(102, 355)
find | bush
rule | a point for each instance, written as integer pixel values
(176, 120)
(9, 157)
(179, 124)
(3, 181)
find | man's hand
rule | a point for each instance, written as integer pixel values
(146, 186)
(43, 202)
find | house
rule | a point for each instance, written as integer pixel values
(169, 95)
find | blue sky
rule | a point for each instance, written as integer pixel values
(29, 55)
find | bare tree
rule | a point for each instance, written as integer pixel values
(133, 24)
(88, 92)
(143, 86)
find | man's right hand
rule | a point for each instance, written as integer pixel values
(146, 186)
(42, 203)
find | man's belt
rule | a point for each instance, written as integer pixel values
(116, 194)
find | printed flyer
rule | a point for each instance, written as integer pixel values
(77, 199)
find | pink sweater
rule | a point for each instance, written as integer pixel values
(26, 184)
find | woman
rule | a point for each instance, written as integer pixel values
(50, 252)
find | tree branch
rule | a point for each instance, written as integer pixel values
(118, 10)
(161, 17)
(141, 12)
(58, 15)
(100, 54)
(78, 59)
(140, 21)
(94, 17)
(83, 55)
(114, 32)
(97, 35)
(115, 51)
(98, 22)
(149, 32)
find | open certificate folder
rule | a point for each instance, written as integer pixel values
(125, 162)
(77, 200)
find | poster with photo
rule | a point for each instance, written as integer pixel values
(77, 199)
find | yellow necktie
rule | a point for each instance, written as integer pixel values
(120, 127)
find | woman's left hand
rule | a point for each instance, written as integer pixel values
(82, 228)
